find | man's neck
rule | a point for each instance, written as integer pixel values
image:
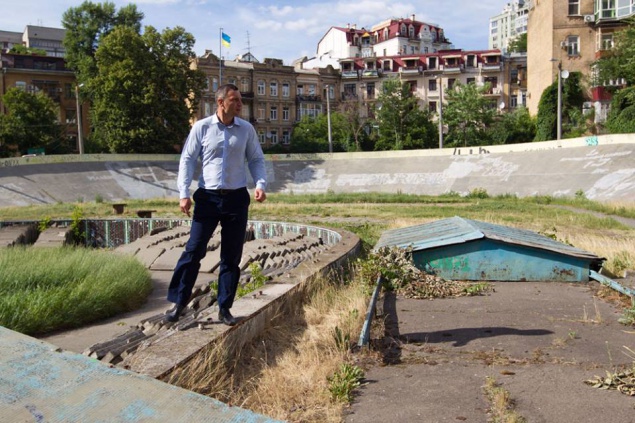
(224, 118)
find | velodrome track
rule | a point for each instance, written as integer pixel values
(603, 167)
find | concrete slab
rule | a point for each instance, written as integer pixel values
(42, 383)
(539, 340)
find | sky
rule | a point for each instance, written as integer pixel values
(282, 29)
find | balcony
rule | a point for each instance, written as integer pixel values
(369, 73)
(313, 98)
(349, 74)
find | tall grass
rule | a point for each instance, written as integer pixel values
(285, 373)
(47, 289)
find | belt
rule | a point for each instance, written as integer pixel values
(223, 191)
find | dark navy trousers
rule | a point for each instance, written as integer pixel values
(211, 207)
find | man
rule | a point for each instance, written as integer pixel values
(222, 142)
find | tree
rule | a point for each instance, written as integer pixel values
(572, 99)
(468, 113)
(400, 121)
(518, 44)
(86, 26)
(512, 128)
(621, 117)
(140, 90)
(356, 116)
(31, 121)
(310, 135)
(139, 85)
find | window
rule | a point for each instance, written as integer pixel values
(300, 89)
(214, 84)
(273, 113)
(411, 31)
(273, 89)
(20, 85)
(311, 89)
(231, 81)
(286, 137)
(605, 41)
(513, 102)
(432, 85)
(274, 137)
(432, 63)
(471, 81)
(261, 136)
(370, 90)
(261, 87)
(574, 7)
(451, 82)
(573, 45)
(285, 113)
(71, 116)
(286, 89)
(261, 112)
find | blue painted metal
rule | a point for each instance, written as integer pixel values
(465, 249)
(612, 284)
(364, 337)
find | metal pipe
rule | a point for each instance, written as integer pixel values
(364, 337)
(611, 284)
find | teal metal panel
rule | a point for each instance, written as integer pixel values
(499, 261)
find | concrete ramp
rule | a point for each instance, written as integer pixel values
(41, 383)
(602, 167)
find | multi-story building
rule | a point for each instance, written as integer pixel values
(388, 38)
(275, 96)
(508, 25)
(49, 75)
(431, 75)
(570, 35)
(51, 40)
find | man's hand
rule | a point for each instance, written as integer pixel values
(259, 195)
(185, 204)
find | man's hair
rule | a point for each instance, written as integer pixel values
(223, 90)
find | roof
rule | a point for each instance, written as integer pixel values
(457, 230)
(43, 32)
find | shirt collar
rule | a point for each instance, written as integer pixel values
(217, 121)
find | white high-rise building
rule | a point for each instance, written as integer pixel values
(509, 24)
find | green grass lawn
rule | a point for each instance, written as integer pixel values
(47, 289)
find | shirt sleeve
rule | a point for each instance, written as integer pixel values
(187, 164)
(256, 160)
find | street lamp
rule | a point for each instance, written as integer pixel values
(438, 78)
(562, 74)
(328, 117)
(80, 140)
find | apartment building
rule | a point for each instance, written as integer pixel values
(508, 25)
(388, 38)
(275, 96)
(570, 35)
(48, 73)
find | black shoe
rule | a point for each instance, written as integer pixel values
(174, 313)
(226, 317)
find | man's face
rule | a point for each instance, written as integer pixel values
(232, 104)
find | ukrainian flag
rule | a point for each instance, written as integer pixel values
(226, 39)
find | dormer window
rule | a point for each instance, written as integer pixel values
(386, 33)
(411, 31)
(403, 29)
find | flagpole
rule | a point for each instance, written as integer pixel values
(220, 58)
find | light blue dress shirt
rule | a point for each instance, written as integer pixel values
(223, 151)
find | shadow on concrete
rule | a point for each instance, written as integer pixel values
(463, 336)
